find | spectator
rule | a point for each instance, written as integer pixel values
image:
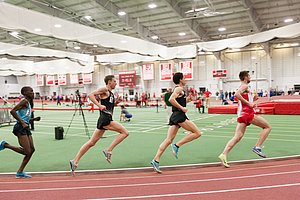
(199, 104)
(125, 115)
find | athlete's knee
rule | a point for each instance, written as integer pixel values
(91, 143)
(125, 133)
(238, 138)
(197, 134)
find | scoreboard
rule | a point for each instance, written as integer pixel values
(220, 73)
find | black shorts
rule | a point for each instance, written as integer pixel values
(104, 120)
(177, 117)
(19, 130)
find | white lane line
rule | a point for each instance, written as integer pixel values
(149, 184)
(203, 192)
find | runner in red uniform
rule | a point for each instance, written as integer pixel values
(246, 116)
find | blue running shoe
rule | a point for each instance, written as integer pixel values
(175, 150)
(258, 151)
(155, 166)
(2, 143)
(22, 175)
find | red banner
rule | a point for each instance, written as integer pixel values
(187, 69)
(127, 79)
(39, 80)
(50, 80)
(165, 70)
(148, 71)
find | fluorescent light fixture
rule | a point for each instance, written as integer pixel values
(14, 33)
(222, 29)
(87, 17)
(182, 34)
(288, 20)
(253, 58)
(37, 30)
(77, 47)
(154, 37)
(95, 45)
(121, 13)
(57, 25)
(294, 44)
(152, 5)
(123, 41)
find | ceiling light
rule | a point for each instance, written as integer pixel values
(222, 29)
(77, 47)
(95, 45)
(14, 33)
(121, 13)
(154, 37)
(182, 34)
(37, 30)
(152, 5)
(57, 25)
(288, 20)
(294, 44)
(123, 41)
(87, 17)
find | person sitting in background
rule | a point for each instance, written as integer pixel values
(125, 115)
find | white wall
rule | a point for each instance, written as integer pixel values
(285, 69)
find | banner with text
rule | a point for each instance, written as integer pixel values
(87, 78)
(50, 80)
(148, 71)
(165, 70)
(62, 79)
(39, 80)
(127, 79)
(186, 68)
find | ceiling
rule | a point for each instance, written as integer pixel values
(198, 19)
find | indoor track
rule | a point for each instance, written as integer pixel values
(259, 180)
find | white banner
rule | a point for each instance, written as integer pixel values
(50, 80)
(186, 68)
(62, 79)
(39, 80)
(165, 71)
(148, 71)
(73, 78)
(87, 78)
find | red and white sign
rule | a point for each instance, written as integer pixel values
(165, 71)
(187, 69)
(73, 78)
(50, 80)
(127, 79)
(62, 79)
(39, 80)
(148, 71)
(220, 73)
(87, 78)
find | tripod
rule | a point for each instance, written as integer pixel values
(79, 107)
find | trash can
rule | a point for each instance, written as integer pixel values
(59, 133)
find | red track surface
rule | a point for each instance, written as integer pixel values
(266, 180)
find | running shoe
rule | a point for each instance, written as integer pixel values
(73, 167)
(22, 175)
(223, 159)
(258, 151)
(155, 166)
(175, 150)
(107, 156)
(2, 143)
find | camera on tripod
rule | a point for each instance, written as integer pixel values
(79, 98)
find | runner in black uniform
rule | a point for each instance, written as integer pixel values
(178, 119)
(105, 122)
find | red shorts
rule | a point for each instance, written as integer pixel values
(246, 118)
